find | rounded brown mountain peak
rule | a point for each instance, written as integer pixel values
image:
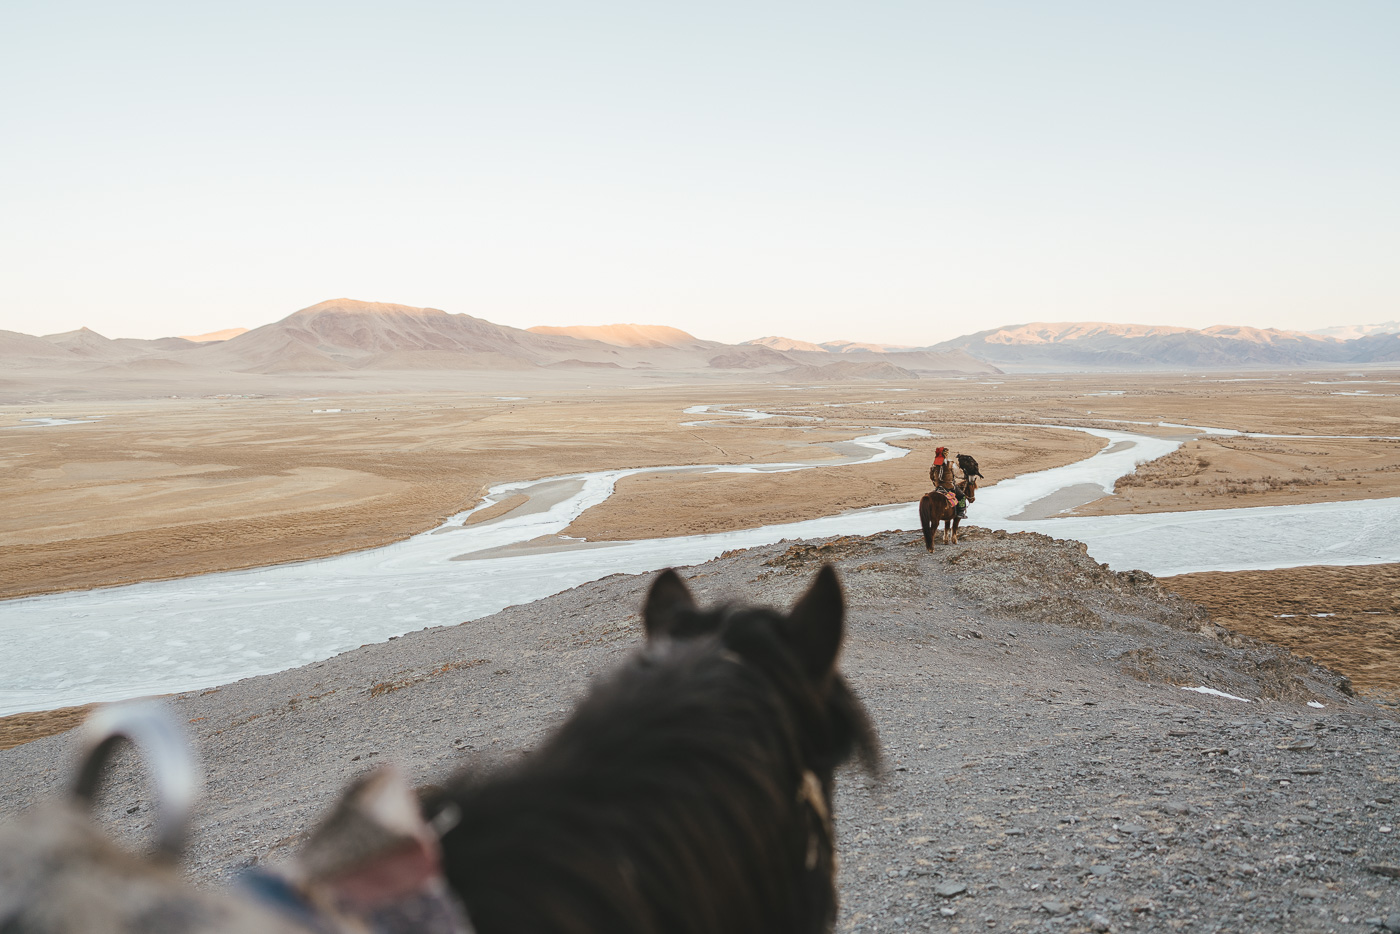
(352, 306)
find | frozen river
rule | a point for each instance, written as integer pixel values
(196, 632)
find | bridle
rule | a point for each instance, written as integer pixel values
(820, 831)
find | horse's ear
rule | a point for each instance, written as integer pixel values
(817, 623)
(668, 598)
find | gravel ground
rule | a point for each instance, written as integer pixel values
(1045, 771)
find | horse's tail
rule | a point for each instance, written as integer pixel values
(926, 519)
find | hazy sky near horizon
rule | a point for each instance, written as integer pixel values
(884, 171)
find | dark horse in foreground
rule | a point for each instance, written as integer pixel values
(935, 508)
(690, 793)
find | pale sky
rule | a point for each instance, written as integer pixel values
(884, 171)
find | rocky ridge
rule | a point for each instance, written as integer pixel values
(1045, 770)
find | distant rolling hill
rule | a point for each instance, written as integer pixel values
(346, 334)
(1094, 345)
(858, 347)
(222, 335)
(872, 359)
(787, 343)
(626, 335)
(1375, 348)
(1347, 332)
(26, 350)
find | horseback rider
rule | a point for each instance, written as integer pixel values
(941, 473)
(945, 481)
(947, 502)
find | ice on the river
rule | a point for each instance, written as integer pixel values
(1257, 538)
(47, 422)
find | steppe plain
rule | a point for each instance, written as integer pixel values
(142, 489)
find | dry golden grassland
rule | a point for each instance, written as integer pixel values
(1347, 618)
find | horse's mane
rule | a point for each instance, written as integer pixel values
(672, 799)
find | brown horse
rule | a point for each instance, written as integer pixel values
(934, 508)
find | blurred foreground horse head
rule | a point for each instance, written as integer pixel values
(370, 868)
(689, 793)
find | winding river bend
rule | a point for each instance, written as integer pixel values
(197, 632)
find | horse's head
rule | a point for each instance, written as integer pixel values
(969, 488)
(796, 651)
(694, 782)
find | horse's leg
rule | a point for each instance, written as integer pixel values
(926, 522)
(956, 522)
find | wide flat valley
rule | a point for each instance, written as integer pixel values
(95, 494)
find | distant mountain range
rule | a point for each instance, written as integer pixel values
(223, 335)
(1080, 346)
(1348, 332)
(786, 344)
(346, 337)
